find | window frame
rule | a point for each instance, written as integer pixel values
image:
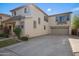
(46, 18)
(22, 24)
(39, 20)
(34, 24)
(61, 19)
(25, 10)
(44, 27)
(68, 18)
(14, 13)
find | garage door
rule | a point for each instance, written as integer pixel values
(60, 31)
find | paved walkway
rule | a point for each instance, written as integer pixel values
(74, 42)
(2, 39)
(41, 46)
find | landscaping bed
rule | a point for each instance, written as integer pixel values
(8, 42)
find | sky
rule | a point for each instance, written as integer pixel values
(49, 8)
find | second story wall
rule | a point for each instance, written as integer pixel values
(24, 11)
(37, 24)
(60, 20)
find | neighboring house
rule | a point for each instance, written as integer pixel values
(60, 23)
(34, 22)
(3, 17)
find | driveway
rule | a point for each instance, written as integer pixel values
(41, 46)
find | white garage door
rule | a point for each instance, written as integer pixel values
(60, 31)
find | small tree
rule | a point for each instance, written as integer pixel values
(17, 31)
(75, 22)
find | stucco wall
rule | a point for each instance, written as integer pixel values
(52, 21)
(21, 12)
(39, 30)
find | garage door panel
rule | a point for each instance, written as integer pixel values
(60, 31)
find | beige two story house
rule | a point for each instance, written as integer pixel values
(31, 19)
(35, 22)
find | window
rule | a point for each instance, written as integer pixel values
(68, 18)
(56, 19)
(22, 24)
(61, 19)
(46, 18)
(25, 10)
(38, 20)
(14, 13)
(0, 17)
(44, 27)
(34, 24)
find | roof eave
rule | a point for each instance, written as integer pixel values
(61, 13)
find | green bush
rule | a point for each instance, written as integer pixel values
(6, 32)
(17, 31)
(24, 38)
(1, 34)
(4, 35)
(75, 22)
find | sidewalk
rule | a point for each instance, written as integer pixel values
(74, 42)
(2, 39)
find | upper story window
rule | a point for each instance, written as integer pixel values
(14, 13)
(25, 10)
(38, 20)
(0, 17)
(34, 24)
(68, 18)
(61, 19)
(46, 18)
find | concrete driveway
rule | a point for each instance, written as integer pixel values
(41, 46)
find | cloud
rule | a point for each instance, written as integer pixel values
(49, 9)
(75, 9)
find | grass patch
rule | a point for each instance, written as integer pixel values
(8, 42)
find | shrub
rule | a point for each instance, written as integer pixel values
(75, 22)
(24, 38)
(1, 34)
(5, 32)
(4, 35)
(17, 31)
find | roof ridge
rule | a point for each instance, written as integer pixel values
(60, 14)
(27, 5)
